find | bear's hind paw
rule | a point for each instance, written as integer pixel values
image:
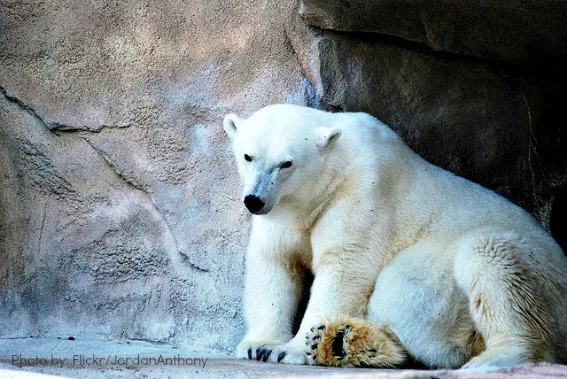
(353, 343)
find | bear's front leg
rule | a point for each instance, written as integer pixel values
(342, 287)
(273, 287)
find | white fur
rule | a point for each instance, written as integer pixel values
(391, 237)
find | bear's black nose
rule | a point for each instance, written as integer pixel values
(253, 203)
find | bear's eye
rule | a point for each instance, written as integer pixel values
(248, 158)
(286, 164)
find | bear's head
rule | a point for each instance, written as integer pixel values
(279, 151)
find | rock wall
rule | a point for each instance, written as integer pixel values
(523, 32)
(475, 87)
(120, 214)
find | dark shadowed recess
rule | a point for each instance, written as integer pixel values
(468, 86)
(559, 217)
(306, 290)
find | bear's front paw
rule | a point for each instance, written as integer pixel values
(290, 353)
(254, 349)
(353, 343)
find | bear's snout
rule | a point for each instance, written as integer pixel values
(253, 203)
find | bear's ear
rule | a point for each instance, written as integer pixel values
(230, 124)
(326, 136)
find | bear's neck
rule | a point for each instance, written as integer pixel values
(318, 205)
(306, 208)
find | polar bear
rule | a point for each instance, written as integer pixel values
(409, 261)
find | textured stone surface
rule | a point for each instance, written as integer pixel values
(119, 211)
(530, 32)
(486, 122)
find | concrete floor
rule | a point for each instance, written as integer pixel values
(36, 357)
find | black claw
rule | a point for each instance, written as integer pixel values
(317, 338)
(337, 345)
(314, 346)
(322, 327)
(312, 329)
(281, 356)
(307, 353)
(266, 355)
(250, 353)
(259, 353)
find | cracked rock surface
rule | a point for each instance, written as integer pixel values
(120, 212)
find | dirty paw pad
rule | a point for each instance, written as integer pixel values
(353, 343)
(327, 344)
(338, 344)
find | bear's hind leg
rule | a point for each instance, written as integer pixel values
(505, 300)
(353, 343)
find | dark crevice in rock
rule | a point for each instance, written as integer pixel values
(309, 91)
(377, 38)
(310, 95)
(112, 165)
(288, 43)
(135, 185)
(526, 35)
(558, 217)
(55, 126)
(42, 227)
(25, 107)
(185, 259)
